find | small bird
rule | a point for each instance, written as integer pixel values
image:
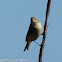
(34, 31)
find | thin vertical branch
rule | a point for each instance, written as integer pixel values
(45, 31)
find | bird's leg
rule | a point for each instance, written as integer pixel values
(37, 43)
(42, 33)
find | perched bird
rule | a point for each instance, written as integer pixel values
(35, 30)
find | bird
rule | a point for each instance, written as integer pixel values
(34, 31)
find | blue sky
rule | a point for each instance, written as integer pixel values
(14, 23)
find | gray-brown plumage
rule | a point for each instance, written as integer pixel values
(35, 30)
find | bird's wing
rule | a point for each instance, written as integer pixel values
(30, 31)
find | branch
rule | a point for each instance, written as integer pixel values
(45, 31)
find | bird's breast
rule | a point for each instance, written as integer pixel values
(38, 28)
(36, 31)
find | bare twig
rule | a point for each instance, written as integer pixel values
(45, 31)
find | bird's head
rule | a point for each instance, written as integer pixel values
(34, 19)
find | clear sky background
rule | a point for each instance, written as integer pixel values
(14, 23)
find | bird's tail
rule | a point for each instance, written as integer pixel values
(27, 46)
